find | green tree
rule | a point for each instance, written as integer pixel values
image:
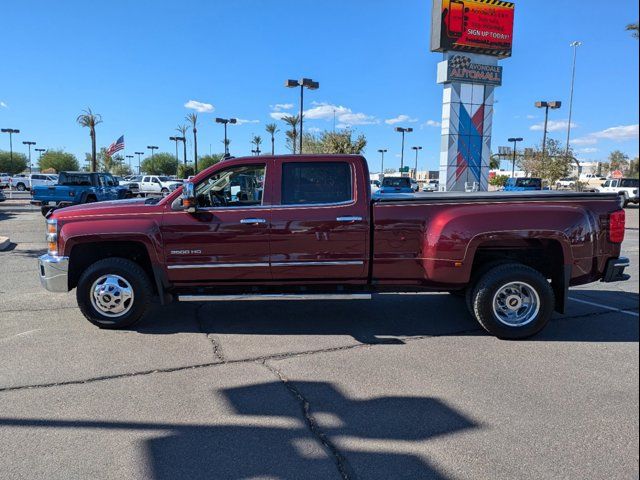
(89, 120)
(185, 171)
(58, 160)
(632, 171)
(555, 165)
(272, 129)
(257, 141)
(618, 161)
(333, 142)
(498, 180)
(207, 160)
(160, 164)
(182, 129)
(122, 169)
(17, 165)
(292, 133)
(633, 28)
(192, 118)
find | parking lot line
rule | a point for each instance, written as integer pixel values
(606, 307)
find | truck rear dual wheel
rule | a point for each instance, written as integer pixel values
(512, 301)
(114, 293)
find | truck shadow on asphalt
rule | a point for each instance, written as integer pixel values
(263, 448)
(387, 319)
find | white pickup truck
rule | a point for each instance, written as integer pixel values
(24, 182)
(627, 187)
(157, 184)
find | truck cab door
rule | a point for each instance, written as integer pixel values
(320, 221)
(227, 239)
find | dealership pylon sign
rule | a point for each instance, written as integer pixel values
(472, 35)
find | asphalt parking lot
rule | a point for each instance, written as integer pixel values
(404, 386)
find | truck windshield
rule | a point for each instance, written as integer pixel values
(529, 182)
(75, 179)
(396, 182)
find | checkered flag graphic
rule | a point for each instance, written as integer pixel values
(459, 61)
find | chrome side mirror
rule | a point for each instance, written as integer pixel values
(189, 202)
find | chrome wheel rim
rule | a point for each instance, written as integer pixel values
(516, 304)
(112, 295)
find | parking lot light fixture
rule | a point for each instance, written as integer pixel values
(403, 130)
(152, 148)
(225, 121)
(175, 139)
(139, 154)
(575, 46)
(28, 143)
(382, 151)
(546, 105)
(302, 83)
(10, 131)
(515, 141)
(129, 157)
(415, 170)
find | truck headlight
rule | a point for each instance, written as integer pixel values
(52, 236)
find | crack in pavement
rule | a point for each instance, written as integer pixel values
(215, 344)
(264, 358)
(344, 469)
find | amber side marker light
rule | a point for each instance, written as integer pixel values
(52, 236)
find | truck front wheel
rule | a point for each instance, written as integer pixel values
(114, 293)
(513, 301)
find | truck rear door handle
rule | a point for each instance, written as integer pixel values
(349, 219)
(253, 221)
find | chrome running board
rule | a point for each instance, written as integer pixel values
(274, 296)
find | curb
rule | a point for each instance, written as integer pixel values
(4, 243)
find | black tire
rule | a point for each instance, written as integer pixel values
(45, 210)
(164, 190)
(128, 270)
(496, 278)
(21, 187)
(90, 199)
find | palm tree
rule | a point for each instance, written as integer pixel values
(292, 135)
(193, 119)
(89, 119)
(633, 28)
(257, 141)
(272, 129)
(183, 133)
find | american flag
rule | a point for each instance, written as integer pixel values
(116, 146)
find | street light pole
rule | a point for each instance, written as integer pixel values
(175, 139)
(139, 154)
(40, 151)
(152, 148)
(302, 83)
(382, 152)
(415, 170)
(403, 131)
(129, 157)
(515, 141)
(546, 105)
(29, 145)
(10, 131)
(225, 121)
(575, 46)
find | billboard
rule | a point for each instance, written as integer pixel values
(475, 26)
(460, 68)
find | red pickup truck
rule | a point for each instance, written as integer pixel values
(306, 227)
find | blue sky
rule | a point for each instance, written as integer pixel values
(139, 63)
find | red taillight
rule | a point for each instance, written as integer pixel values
(616, 226)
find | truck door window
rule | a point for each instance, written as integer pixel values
(241, 186)
(305, 183)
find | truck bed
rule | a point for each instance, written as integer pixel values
(446, 197)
